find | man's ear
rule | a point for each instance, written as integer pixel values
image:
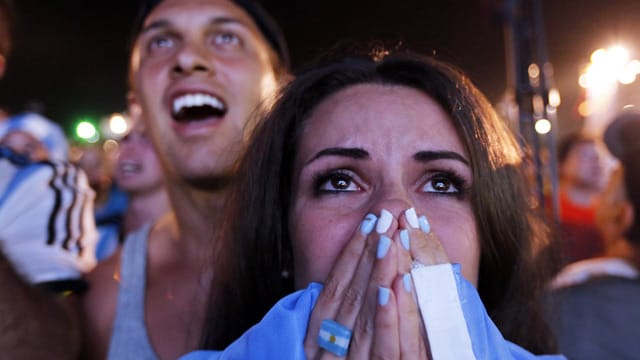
(625, 216)
(135, 111)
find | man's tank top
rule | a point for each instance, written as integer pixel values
(129, 339)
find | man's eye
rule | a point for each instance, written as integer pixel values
(161, 42)
(227, 38)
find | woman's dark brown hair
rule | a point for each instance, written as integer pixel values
(254, 254)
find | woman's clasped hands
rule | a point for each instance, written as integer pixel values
(368, 308)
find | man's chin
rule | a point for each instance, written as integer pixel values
(210, 182)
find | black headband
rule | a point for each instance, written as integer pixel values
(265, 23)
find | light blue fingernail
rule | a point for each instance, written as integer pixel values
(383, 246)
(404, 239)
(368, 224)
(406, 281)
(383, 295)
(424, 224)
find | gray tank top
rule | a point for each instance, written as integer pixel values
(129, 339)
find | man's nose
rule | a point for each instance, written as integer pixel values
(193, 58)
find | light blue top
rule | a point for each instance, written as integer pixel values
(280, 334)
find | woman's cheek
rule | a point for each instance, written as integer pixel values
(318, 239)
(459, 237)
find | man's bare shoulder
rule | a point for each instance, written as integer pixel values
(99, 304)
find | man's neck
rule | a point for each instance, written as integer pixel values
(623, 249)
(145, 207)
(197, 214)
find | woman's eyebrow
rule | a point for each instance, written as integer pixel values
(354, 153)
(431, 155)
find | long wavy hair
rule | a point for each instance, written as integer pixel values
(253, 262)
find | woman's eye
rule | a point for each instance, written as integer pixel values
(336, 182)
(441, 184)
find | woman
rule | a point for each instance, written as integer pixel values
(405, 145)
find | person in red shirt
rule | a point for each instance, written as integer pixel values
(582, 176)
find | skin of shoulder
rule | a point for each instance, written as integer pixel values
(99, 305)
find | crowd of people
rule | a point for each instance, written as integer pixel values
(372, 205)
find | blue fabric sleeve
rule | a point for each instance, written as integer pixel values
(280, 334)
(486, 339)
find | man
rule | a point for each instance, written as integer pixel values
(596, 300)
(199, 69)
(47, 232)
(580, 159)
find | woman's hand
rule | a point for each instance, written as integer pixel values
(370, 290)
(350, 291)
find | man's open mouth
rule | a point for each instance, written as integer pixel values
(197, 107)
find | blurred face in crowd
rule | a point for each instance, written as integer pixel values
(201, 67)
(137, 169)
(614, 212)
(372, 147)
(583, 165)
(97, 165)
(25, 144)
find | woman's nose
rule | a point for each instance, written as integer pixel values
(394, 207)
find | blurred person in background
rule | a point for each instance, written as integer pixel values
(596, 312)
(139, 174)
(111, 202)
(582, 178)
(47, 232)
(35, 137)
(46, 224)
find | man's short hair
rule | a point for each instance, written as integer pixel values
(263, 20)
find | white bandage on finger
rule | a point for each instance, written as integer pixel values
(441, 312)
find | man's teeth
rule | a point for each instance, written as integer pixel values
(193, 100)
(129, 167)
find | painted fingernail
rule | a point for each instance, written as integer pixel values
(406, 281)
(383, 247)
(384, 222)
(368, 224)
(424, 224)
(411, 217)
(383, 295)
(404, 239)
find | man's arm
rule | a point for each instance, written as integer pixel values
(35, 324)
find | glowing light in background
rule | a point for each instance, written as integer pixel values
(118, 124)
(554, 97)
(86, 131)
(543, 126)
(609, 68)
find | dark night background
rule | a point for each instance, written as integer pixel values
(71, 55)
